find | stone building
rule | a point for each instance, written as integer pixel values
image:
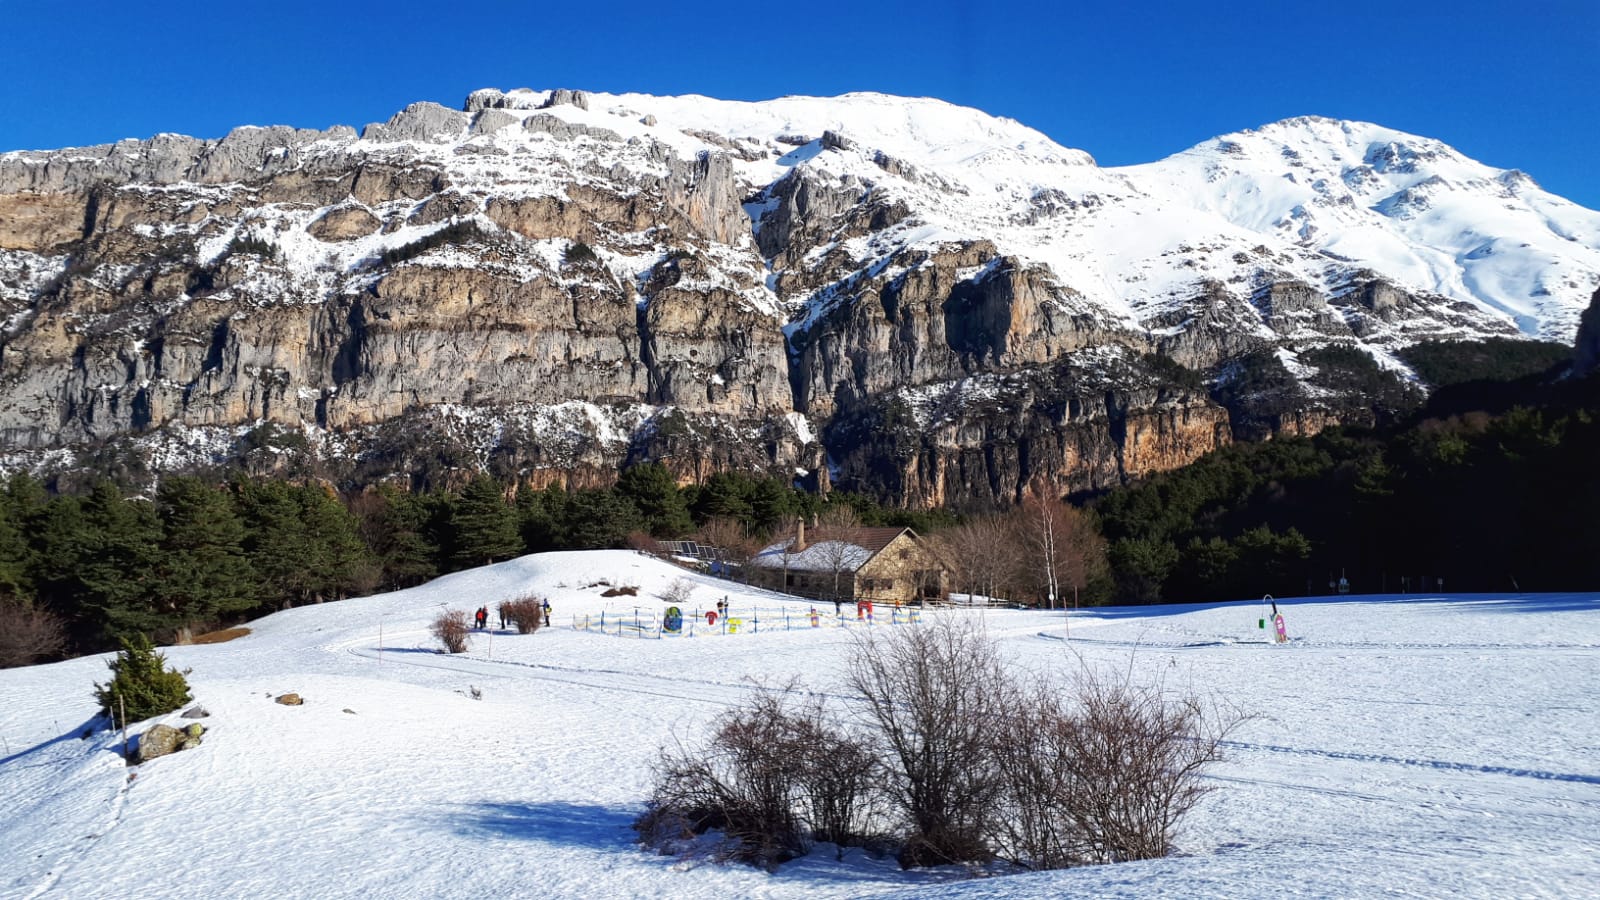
(884, 565)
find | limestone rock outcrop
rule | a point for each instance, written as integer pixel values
(552, 285)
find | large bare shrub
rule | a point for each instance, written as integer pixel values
(525, 614)
(933, 697)
(745, 783)
(839, 776)
(28, 634)
(453, 630)
(1137, 763)
(1102, 772)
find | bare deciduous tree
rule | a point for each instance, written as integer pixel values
(836, 546)
(982, 554)
(1063, 550)
(28, 634)
(733, 547)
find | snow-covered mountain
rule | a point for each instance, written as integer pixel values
(562, 281)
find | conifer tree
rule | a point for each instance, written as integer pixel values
(483, 526)
(654, 492)
(202, 574)
(14, 580)
(276, 539)
(398, 532)
(771, 502)
(540, 518)
(337, 562)
(598, 519)
(141, 685)
(124, 536)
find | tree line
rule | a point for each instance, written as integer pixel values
(1488, 489)
(79, 571)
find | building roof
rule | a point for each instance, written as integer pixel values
(824, 553)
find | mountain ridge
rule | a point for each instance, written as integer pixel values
(841, 261)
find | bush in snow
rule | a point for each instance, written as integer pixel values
(525, 614)
(677, 593)
(765, 772)
(141, 685)
(453, 630)
(1103, 772)
(744, 784)
(934, 698)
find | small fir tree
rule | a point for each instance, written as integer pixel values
(141, 685)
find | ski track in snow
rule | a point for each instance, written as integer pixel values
(1397, 746)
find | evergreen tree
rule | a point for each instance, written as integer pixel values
(654, 492)
(141, 685)
(771, 502)
(724, 494)
(202, 574)
(599, 519)
(61, 543)
(395, 527)
(541, 516)
(338, 563)
(276, 540)
(14, 580)
(124, 538)
(483, 527)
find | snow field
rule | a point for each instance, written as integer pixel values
(1414, 746)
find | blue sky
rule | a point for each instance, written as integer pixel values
(1515, 85)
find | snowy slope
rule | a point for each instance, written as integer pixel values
(1419, 746)
(1409, 207)
(1326, 199)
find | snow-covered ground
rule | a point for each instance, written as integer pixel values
(1412, 746)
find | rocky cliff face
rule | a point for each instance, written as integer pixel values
(909, 298)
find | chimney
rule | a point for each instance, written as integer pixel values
(800, 536)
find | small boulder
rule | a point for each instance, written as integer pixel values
(290, 700)
(195, 712)
(159, 740)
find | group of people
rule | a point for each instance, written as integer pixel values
(480, 619)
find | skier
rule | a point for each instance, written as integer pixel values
(502, 610)
(546, 608)
(481, 618)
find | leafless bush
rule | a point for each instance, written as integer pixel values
(839, 776)
(525, 614)
(1136, 765)
(28, 634)
(677, 593)
(642, 542)
(1105, 775)
(453, 630)
(934, 696)
(746, 783)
